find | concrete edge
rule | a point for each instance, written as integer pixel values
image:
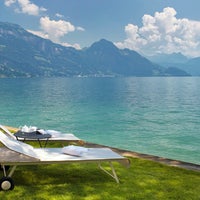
(166, 161)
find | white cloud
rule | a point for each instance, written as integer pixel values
(55, 29)
(28, 7)
(39, 33)
(76, 46)
(59, 15)
(9, 2)
(25, 6)
(163, 33)
(80, 28)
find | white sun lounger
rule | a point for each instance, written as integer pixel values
(15, 153)
(55, 136)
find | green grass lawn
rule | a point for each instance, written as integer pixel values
(143, 180)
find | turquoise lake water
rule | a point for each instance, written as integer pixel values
(158, 116)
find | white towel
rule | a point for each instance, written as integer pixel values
(28, 129)
(74, 150)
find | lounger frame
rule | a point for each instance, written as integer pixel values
(16, 157)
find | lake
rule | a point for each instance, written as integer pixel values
(153, 115)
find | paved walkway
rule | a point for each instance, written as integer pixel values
(170, 162)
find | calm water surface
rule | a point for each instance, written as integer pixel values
(159, 116)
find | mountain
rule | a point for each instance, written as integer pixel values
(192, 66)
(168, 59)
(107, 58)
(189, 65)
(23, 54)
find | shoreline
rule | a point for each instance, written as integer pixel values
(166, 161)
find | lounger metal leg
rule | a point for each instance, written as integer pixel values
(113, 174)
(11, 171)
(45, 143)
(40, 143)
(6, 182)
(4, 170)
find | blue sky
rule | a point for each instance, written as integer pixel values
(147, 26)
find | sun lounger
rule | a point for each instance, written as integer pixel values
(7, 132)
(15, 153)
(55, 136)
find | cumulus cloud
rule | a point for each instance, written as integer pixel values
(39, 33)
(9, 2)
(25, 6)
(59, 15)
(163, 33)
(76, 46)
(55, 29)
(78, 28)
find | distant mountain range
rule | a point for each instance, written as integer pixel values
(191, 66)
(23, 54)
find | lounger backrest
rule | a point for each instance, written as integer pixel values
(17, 146)
(7, 132)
